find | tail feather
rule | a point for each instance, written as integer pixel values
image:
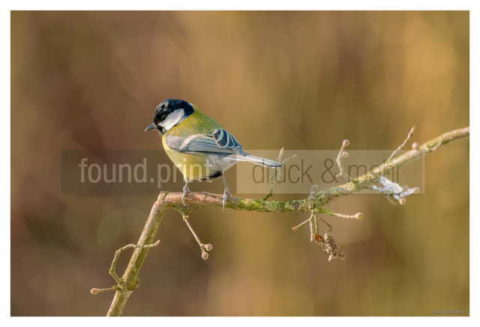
(259, 160)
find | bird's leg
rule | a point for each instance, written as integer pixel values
(205, 248)
(226, 191)
(186, 190)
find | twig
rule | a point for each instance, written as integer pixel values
(330, 228)
(204, 247)
(316, 204)
(296, 227)
(312, 219)
(120, 282)
(113, 267)
(95, 291)
(342, 154)
(397, 150)
(276, 174)
(358, 215)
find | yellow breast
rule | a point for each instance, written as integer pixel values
(192, 166)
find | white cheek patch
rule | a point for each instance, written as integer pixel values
(173, 119)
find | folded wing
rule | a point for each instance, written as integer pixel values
(219, 141)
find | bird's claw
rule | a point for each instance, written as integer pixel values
(186, 191)
(226, 196)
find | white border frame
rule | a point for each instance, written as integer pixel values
(6, 6)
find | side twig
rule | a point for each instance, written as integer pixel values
(342, 154)
(397, 150)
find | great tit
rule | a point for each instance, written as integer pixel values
(198, 146)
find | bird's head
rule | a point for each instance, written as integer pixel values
(170, 113)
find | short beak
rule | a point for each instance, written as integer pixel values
(150, 127)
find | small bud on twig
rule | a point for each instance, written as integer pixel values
(205, 255)
(208, 247)
(95, 291)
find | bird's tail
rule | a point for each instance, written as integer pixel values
(258, 160)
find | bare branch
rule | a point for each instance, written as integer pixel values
(315, 204)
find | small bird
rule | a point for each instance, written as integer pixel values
(198, 145)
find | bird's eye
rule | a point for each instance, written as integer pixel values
(159, 117)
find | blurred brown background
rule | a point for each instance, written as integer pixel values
(302, 80)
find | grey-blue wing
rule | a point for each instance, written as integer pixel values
(218, 142)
